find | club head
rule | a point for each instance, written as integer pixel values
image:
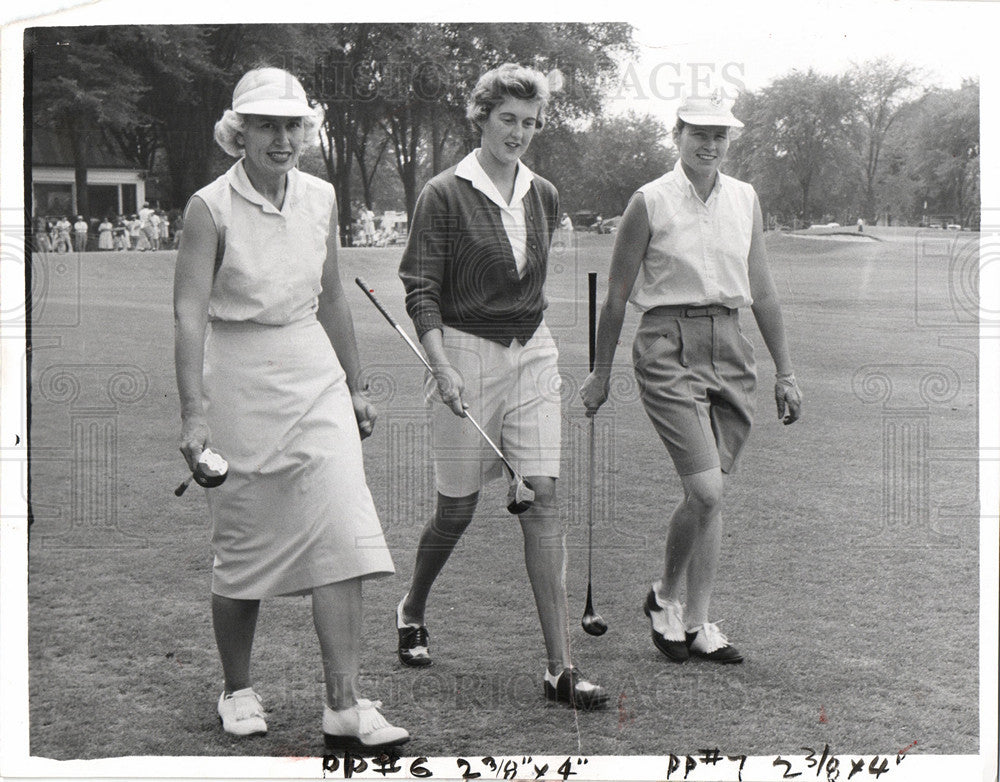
(520, 495)
(593, 624)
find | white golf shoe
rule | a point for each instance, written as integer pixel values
(242, 714)
(361, 727)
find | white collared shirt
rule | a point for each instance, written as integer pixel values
(698, 250)
(272, 263)
(512, 215)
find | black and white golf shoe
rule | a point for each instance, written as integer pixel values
(571, 688)
(667, 627)
(414, 641)
(709, 643)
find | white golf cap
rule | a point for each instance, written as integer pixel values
(272, 92)
(712, 109)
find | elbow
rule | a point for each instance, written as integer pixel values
(614, 307)
(765, 301)
(189, 320)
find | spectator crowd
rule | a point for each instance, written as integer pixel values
(148, 229)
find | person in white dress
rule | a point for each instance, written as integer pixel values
(268, 376)
(105, 240)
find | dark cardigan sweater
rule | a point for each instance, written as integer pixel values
(458, 266)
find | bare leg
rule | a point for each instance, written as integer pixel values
(545, 560)
(235, 622)
(702, 569)
(693, 542)
(438, 539)
(337, 618)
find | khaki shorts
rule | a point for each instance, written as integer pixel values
(514, 394)
(697, 379)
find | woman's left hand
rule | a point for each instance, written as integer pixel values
(365, 413)
(788, 396)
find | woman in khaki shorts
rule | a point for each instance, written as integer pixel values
(474, 268)
(689, 254)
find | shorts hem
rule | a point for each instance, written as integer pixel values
(528, 472)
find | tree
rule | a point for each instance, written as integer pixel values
(945, 151)
(882, 88)
(82, 88)
(798, 127)
(424, 74)
(599, 168)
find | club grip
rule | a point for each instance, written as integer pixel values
(592, 291)
(371, 295)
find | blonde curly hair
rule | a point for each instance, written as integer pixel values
(231, 123)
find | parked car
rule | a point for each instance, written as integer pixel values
(584, 221)
(953, 227)
(610, 225)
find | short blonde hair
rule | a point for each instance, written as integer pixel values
(509, 80)
(231, 123)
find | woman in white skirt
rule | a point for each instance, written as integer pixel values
(267, 370)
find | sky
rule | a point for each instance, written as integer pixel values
(745, 47)
(736, 45)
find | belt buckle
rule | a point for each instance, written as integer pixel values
(697, 312)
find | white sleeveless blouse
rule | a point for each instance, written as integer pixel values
(271, 260)
(698, 250)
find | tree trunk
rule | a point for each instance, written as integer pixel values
(78, 139)
(342, 184)
(189, 145)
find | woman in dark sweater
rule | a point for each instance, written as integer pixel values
(474, 270)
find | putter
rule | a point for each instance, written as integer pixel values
(520, 495)
(592, 622)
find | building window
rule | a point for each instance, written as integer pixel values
(53, 199)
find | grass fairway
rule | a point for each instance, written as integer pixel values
(849, 565)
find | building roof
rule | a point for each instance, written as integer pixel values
(53, 148)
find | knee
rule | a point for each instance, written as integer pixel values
(704, 494)
(544, 488)
(453, 514)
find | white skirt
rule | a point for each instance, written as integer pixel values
(295, 511)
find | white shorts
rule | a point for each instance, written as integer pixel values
(514, 394)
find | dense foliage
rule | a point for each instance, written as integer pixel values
(868, 143)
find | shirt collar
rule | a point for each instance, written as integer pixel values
(241, 184)
(471, 169)
(687, 187)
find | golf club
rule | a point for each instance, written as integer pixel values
(521, 495)
(592, 622)
(210, 471)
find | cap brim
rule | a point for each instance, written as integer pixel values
(710, 119)
(275, 108)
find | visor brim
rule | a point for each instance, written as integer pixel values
(710, 120)
(276, 108)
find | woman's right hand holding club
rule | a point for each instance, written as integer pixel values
(594, 391)
(451, 388)
(194, 438)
